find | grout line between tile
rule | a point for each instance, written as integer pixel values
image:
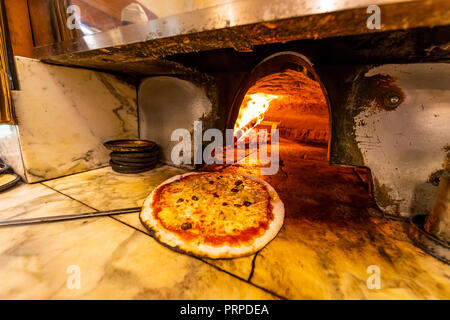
(253, 266)
(250, 283)
(71, 174)
(70, 197)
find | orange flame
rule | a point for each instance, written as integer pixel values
(252, 115)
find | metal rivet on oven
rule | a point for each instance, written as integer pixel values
(392, 100)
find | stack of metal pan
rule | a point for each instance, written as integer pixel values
(133, 156)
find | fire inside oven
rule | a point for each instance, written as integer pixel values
(283, 92)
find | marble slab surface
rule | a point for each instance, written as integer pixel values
(323, 260)
(110, 259)
(104, 189)
(65, 114)
(311, 258)
(35, 200)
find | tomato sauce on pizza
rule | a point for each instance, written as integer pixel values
(212, 211)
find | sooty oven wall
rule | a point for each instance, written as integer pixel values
(358, 93)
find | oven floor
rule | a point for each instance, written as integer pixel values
(322, 252)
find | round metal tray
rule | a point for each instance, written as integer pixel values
(129, 145)
(131, 169)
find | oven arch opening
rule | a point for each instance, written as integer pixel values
(299, 104)
(299, 107)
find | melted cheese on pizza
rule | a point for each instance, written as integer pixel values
(214, 208)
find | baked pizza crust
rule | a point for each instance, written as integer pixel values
(175, 242)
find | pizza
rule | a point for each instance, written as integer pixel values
(213, 214)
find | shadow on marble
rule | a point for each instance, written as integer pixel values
(328, 240)
(321, 260)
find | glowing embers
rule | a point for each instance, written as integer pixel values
(252, 112)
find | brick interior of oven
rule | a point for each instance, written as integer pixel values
(309, 186)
